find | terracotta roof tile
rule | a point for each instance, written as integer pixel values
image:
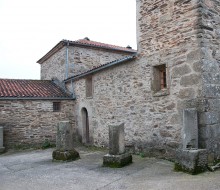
(15, 88)
(102, 45)
(86, 43)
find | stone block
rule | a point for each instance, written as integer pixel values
(116, 139)
(69, 155)
(64, 143)
(190, 128)
(187, 93)
(190, 80)
(117, 161)
(64, 139)
(193, 56)
(2, 149)
(180, 71)
(209, 118)
(117, 157)
(191, 161)
(211, 91)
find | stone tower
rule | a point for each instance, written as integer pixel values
(180, 41)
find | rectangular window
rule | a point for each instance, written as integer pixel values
(89, 87)
(159, 81)
(56, 106)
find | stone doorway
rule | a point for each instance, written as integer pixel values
(85, 123)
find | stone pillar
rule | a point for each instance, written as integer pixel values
(190, 129)
(117, 156)
(64, 143)
(2, 149)
(64, 139)
(191, 159)
(116, 139)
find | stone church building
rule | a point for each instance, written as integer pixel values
(176, 67)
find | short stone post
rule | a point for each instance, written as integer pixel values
(64, 143)
(2, 149)
(117, 156)
(190, 129)
(191, 159)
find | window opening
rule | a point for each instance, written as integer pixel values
(89, 87)
(56, 106)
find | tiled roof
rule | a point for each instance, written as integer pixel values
(85, 43)
(102, 45)
(104, 66)
(33, 89)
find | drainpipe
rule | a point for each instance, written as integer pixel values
(72, 85)
(67, 60)
(67, 68)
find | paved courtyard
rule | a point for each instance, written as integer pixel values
(34, 170)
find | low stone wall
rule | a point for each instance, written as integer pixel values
(32, 122)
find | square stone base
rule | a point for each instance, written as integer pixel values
(2, 149)
(191, 161)
(117, 161)
(68, 155)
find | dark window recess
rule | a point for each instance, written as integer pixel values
(89, 87)
(56, 106)
(163, 80)
(159, 81)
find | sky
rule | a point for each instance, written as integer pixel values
(29, 29)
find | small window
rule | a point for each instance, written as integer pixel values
(159, 81)
(56, 106)
(89, 87)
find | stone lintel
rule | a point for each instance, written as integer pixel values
(192, 161)
(117, 161)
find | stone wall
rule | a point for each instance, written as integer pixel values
(209, 23)
(80, 59)
(55, 66)
(167, 33)
(183, 36)
(84, 58)
(122, 94)
(31, 122)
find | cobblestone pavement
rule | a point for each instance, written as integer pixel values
(34, 170)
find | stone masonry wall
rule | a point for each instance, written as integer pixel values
(123, 95)
(209, 118)
(80, 59)
(55, 66)
(167, 33)
(30, 123)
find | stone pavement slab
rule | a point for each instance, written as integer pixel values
(34, 170)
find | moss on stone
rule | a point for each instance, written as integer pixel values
(69, 155)
(195, 171)
(113, 162)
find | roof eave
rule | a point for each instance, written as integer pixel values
(102, 47)
(37, 98)
(55, 49)
(63, 43)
